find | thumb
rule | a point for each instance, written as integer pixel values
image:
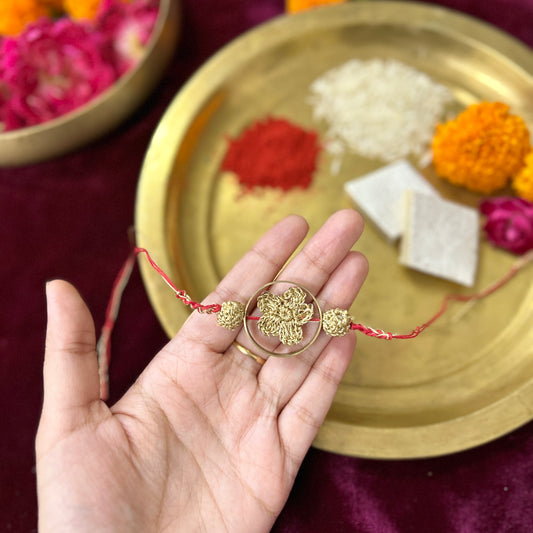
(71, 382)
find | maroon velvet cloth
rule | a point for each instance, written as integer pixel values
(69, 217)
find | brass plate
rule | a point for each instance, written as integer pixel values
(466, 380)
(56, 137)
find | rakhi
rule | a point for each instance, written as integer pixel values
(282, 315)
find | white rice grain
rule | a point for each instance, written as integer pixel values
(380, 108)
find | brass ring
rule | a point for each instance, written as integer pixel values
(247, 352)
(295, 352)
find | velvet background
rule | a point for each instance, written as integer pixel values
(68, 218)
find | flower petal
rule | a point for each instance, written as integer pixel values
(268, 303)
(304, 314)
(290, 333)
(269, 325)
(294, 297)
(509, 223)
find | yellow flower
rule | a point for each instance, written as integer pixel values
(15, 15)
(523, 181)
(482, 148)
(293, 6)
(284, 315)
(55, 6)
(81, 9)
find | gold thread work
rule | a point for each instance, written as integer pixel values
(284, 315)
(231, 315)
(336, 322)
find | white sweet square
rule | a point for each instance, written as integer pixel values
(379, 195)
(441, 238)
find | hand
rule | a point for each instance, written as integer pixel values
(206, 439)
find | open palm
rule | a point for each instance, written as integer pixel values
(206, 439)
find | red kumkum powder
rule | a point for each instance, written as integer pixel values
(273, 153)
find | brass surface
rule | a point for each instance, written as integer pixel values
(66, 133)
(468, 378)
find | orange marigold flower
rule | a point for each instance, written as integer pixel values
(293, 6)
(14, 16)
(482, 148)
(55, 5)
(81, 9)
(523, 181)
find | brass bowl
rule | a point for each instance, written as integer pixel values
(81, 126)
(467, 379)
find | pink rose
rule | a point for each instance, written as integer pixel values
(509, 223)
(129, 26)
(50, 69)
(54, 67)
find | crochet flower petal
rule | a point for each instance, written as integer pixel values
(269, 325)
(268, 303)
(290, 333)
(294, 297)
(304, 314)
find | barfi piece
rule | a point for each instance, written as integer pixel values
(440, 238)
(379, 195)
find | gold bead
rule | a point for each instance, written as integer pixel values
(336, 322)
(231, 315)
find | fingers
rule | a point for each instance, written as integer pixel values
(301, 418)
(311, 267)
(257, 267)
(318, 259)
(307, 386)
(284, 377)
(70, 369)
(324, 252)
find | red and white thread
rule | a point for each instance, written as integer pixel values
(104, 343)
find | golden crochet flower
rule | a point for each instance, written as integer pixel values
(284, 315)
(523, 181)
(293, 6)
(482, 148)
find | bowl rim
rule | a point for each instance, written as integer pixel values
(168, 15)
